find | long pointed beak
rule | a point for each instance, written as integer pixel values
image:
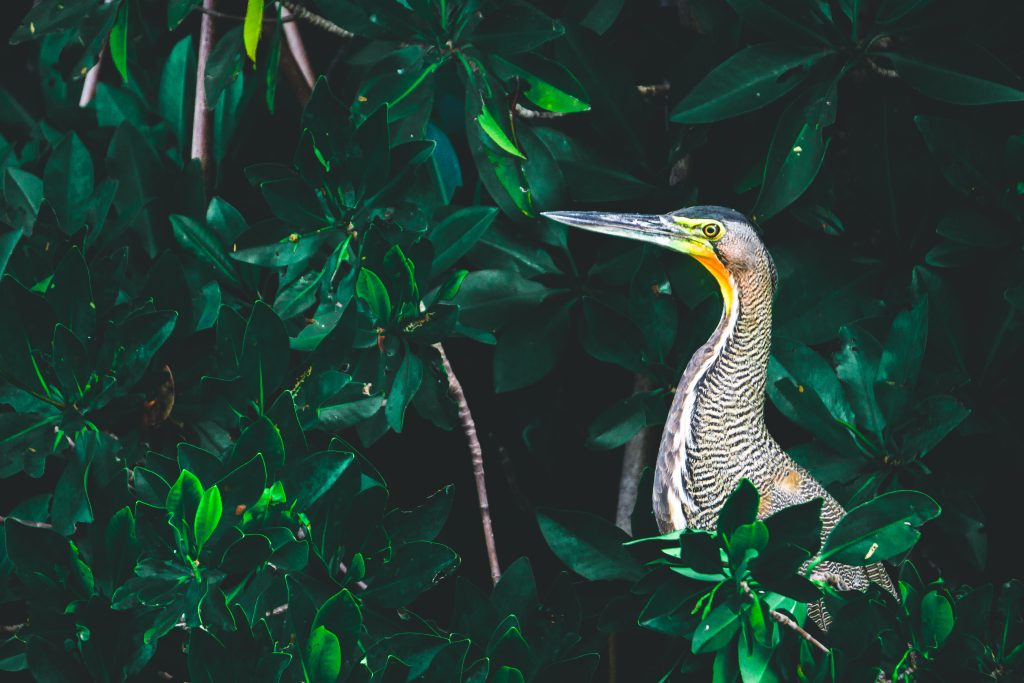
(643, 227)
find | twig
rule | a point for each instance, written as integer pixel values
(11, 628)
(27, 522)
(280, 609)
(92, 78)
(789, 623)
(237, 17)
(655, 89)
(529, 114)
(200, 114)
(635, 456)
(881, 70)
(361, 585)
(477, 456)
(297, 47)
(316, 20)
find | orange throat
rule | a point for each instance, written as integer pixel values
(718, 270)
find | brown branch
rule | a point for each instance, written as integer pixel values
(200, 113)
(297, 48)
(530, 114)
(655, 89)
(789, 623)
(237, 17)
(361, 585)
(635, 457)
(477, 456)
(26, 522)
(316, 20)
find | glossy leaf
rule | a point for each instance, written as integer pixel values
(588, 544)
(750, 79)
(879, 529)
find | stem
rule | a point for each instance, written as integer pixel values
(92, 78)
(237, 17)
(297, 47)
(201, 114)
(789, 623)
(316, 20)
(477, 457)
(635, 457)
(26, 522)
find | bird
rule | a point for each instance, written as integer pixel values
(715, 433)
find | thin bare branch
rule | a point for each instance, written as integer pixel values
(361, 585)
(635, 456)
(11, 628)
(200, 113)
(788, 622)
(477, 456)
(316, 20)
(654, 89)
(297, 47)
(238, 17)
(27, 522)
(529, 114)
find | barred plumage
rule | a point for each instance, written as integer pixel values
(715, 434)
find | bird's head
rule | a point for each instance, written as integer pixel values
(723, 240)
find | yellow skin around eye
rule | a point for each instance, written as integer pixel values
(696, 243)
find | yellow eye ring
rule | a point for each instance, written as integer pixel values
(712, 230)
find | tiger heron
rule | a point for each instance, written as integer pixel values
(715, 432)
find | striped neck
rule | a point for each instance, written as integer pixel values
(716, 421)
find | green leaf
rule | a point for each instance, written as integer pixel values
(530, 348)
(71, 363)
(203, 243)
(754, 657)
(264, 364)
(119, 41)
(610, 336)
(208, 515)
(457, 234)
(622, 420)
(177, 93)
(809, 372)
(404, 386)
(928, 423)
(857, 367)
(550, 85)
(177, 10)
(70, 294)
(414, 568)
(936, 619)
(900, 362)
(310, 478)
(223, 66)
(182, 503)
(490, 298)
(370, 288)
(68, 182)
(798, 148)
(879, 529)
(496, 132)
(322, 656)
(590, 545)
(253, 27)
(749, 80)
(716, 629)
(513, 28)
(959, 73)
(740, 508)
(23, 193)
(794, 22)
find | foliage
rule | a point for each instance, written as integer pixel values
(188, 355)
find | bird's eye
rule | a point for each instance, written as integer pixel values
(712, 230)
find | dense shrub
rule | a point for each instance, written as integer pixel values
(194, 337)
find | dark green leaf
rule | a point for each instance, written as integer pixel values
(749, 80)
(879, 529)
(590, 545)
(959, 73)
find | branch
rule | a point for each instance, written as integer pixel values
(27, 522)
(477, 457)
(528, 114)
(12, 628)
(237, 17)
(316, 20)
(297, 47)
(200, 114)
(789, 623)
(92, 78)
(361, 585)
(655, 89)
(635, 457)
